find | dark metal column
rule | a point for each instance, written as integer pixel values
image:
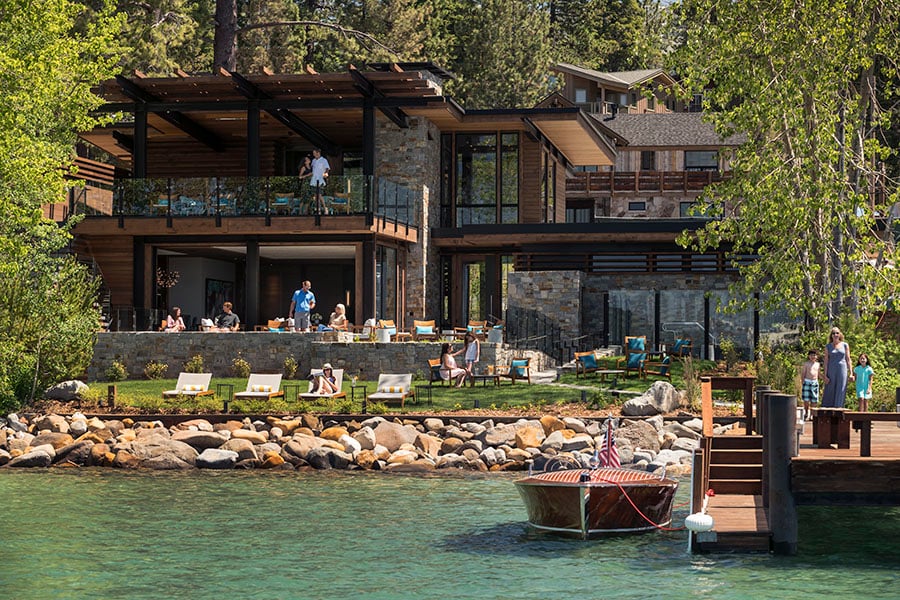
(251, 285)
(140, 285)
(139, 155)
(368, 156)
(368, 279)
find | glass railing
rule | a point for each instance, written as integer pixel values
(264, 196)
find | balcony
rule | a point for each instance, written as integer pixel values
(589, 185)
(269, 197)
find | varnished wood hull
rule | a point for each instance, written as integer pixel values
(609, 501)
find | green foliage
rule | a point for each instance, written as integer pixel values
(802, 82)
(601, 399)
(194, 364)
(168, 34)
(116, 371)
(778, 367)
(47, 67)
(240, 367)
(730, 353)
(377, 408)
(155, 370)
(290, 367)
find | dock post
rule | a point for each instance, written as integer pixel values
(762, 411)
(782, 414)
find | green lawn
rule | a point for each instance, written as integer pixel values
(146, 395)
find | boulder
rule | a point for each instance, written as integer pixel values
(333, 433)
(576, 425)
(216, 458)
(78, 427)
(200, 440)
(328, 458)
(244, 448)
(681, 431)
(365, 436)
(21, 442)
(57, 440)
(35, 458)
(351, 446)
(301, 445)
(694, 425)
(4, 457)
(162, 446)
(66, 391)
(552, 423)
(640, 434)
(529, 437)
(402, 457)
(577, 442)
(78, 453)
(501, 434)
(195, 425)
(126, 460)
(662, 397)
(433, 425)
(392, 435)
(165, 462)
(2, 437)
(417, 466)
(53, 423)
(451, 445)
(288, 426)
(429, 444)
(686, 444)
(272, 461)
(14, 423)
(254, 437)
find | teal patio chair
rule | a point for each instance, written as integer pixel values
(635, 355)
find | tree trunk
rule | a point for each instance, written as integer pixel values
(225, 44)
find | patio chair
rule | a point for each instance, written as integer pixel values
(338, 381)
(191, 384)
(424, 330)
(340, 200)
(391, 328)
(479, 328)
(586, 362)
(393, 388)
(635, 355)
(659, 369)
(281, 204)
(434, 372)
(518, 368)
(681, 347)
(261, 386)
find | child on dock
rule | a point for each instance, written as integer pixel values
(864, 375)
(809, 373)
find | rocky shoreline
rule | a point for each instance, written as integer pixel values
(375, 443)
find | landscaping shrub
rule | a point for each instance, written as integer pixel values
(156, 370)
(240, 367)
(290, 367)
(116, 371)
(194, 364)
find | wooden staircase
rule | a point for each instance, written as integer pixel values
(735, 475)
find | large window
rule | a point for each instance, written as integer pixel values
(648, 160)
(701, 160)
(487, 178)
(386, 283)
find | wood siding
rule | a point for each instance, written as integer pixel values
(530, 181)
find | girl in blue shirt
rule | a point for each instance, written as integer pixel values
(864, 374)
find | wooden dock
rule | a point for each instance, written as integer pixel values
(751, 518)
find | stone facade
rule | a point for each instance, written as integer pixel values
(411, 157)
(266, 351)
(556, 294)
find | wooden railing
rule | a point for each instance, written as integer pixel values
(588, 184)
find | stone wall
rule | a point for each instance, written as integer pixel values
(411, 157)
(556, 294)
(266, 351)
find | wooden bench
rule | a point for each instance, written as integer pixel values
(829, 427)
(865, 420)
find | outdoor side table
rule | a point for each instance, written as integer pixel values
(425, 390)
(226, 392)
(291, 391)
(364, 393)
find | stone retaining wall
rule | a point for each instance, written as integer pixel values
(266, 351)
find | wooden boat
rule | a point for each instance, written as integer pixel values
(591, 502)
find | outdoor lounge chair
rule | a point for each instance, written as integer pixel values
(393, 388)
(391, 328)
(479, 328)
(338, 381)
(587, 362)
(434, 372)
(191, 384)
(261, 386)
(424, 330)
(662, 368)
(635, 355)
(518, 368)
(681, 347)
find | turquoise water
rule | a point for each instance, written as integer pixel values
(116, 534)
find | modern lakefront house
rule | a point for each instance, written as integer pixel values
(564, 215)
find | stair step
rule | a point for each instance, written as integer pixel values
(751, 487)
(735, 457)
(736, 442)
(739, 471)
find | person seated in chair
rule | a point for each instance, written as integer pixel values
(337, 320)
(174, 322)
(227, 320)
(449, 369)
(326, 383)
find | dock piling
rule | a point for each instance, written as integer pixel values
(782, 409)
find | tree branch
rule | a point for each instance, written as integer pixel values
(360, 36)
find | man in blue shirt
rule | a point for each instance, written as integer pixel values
(302, 303)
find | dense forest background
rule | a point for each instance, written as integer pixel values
(499, 50)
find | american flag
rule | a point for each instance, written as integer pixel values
(609, 454)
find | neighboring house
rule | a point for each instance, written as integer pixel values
(431, 211)
(632, 92)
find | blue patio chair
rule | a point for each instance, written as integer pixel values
(635, 355)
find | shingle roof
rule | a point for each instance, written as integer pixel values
(621, 78)
(667, 129)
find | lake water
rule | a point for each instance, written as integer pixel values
(90, 533)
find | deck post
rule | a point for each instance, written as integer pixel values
(782, 509)
(762, 411)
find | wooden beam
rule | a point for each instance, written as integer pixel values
(175, 117)
(369, 90)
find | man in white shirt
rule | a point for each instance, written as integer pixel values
(320, 168)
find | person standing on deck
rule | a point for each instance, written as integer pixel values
(864, 375)
(320, 169)
(809, 373)
(837, 368)
(302, 303)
